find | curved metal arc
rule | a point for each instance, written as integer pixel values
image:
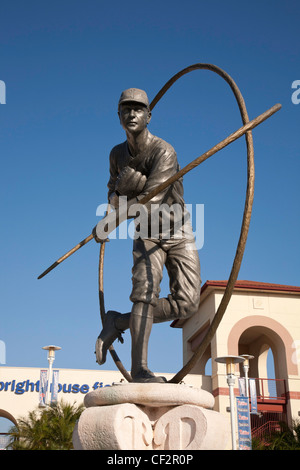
(246, 215)
(243, 234)
(111, 349)
(200, 66)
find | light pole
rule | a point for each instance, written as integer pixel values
(230, 362)
(51, 356)
(247, 357)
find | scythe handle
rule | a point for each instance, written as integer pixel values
(231, 138)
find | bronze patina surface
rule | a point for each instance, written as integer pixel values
(144, 168)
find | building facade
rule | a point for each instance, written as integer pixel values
(260, 317)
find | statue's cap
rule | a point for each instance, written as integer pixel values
(135, 95)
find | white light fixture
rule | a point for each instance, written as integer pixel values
(51, 356)
(230, 362)
(247, 358)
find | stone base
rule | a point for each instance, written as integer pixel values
(150, 417)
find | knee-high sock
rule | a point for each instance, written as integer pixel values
(141, 320)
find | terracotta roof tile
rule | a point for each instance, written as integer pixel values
(253, 285)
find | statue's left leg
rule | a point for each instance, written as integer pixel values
(146, 277)
(141, 320)
(147, 271)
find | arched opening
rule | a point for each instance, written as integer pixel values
(255, 335)
(270, 345)
(6, 423)
(5, 415)
(208, 367)
(268, 350)
(270, 365)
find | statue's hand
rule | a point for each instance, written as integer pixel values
(95, 235)
(96, 238)
(130, 182)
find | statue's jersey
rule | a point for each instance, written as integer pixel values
(158, 163)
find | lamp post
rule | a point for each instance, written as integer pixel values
(230, 362)
(247, 357)
(51, 356)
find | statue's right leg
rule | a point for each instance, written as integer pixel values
(183, 267)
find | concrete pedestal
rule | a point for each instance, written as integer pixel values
(150, 417)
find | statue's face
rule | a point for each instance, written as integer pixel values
(134, 117)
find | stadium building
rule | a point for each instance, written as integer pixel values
(262, 321)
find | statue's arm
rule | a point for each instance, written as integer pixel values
(113, 175)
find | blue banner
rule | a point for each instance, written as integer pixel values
(253, 395)
(43, 388)
(242, 386)
(54, 387)
(244, 425)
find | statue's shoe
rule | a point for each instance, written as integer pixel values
(107, 336)
(146, 376)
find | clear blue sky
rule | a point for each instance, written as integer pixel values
(65, 64)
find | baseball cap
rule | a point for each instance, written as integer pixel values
(134, 94)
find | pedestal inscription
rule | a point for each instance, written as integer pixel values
(163, 416)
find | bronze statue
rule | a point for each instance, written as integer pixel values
(137, 166)
(131, 175)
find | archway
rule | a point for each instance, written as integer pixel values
(5, 415)
(255, 335)
(8, 416)
(6, 422)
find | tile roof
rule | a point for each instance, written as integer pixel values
(266, 286)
